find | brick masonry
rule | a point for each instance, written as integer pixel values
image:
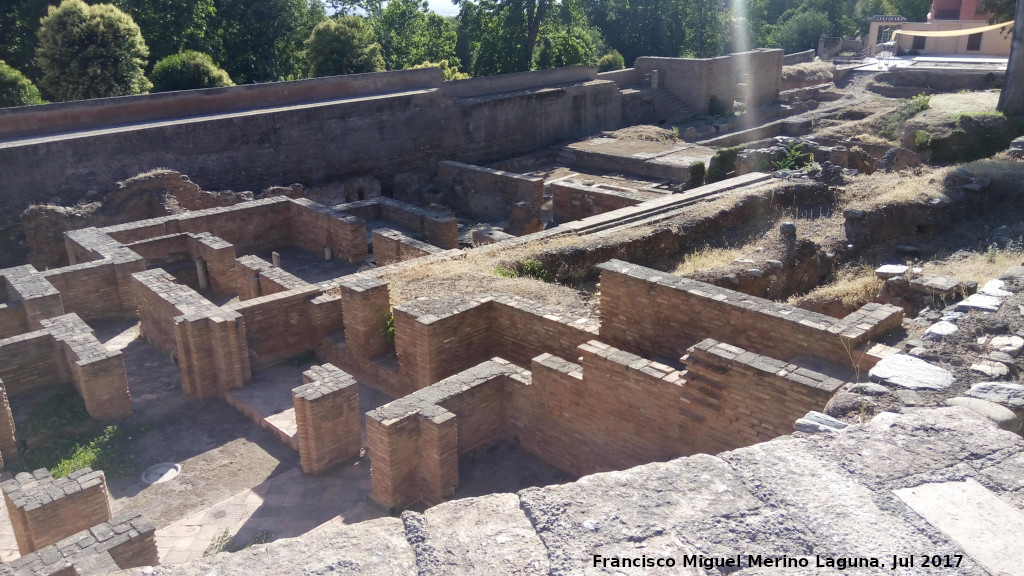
(125, 541)
(328, 418)
(256, 277)
(391, 246)
(28, 299)
(8, 442)
(45, 510)
(66, 351)
(735, 398)
(653, 314)
(486, 193)
(572, 200)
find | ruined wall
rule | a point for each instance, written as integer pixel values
(27, 299)
(486, 193)
(28, 362)
(613, 411)
(390, 246)
(97, 373)
(8, 441)
(735, 398)
(653, 313)
(45, 510)
(327, 416)
(315, 227)
(571, 200)
(277, 326)
(256, 277)
(695, 81)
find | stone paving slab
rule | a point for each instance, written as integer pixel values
(285, 506)
(976, 519)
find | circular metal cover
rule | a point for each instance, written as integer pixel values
(163, 472)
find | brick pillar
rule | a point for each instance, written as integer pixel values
(394, 461)
(44, 511)
(327, 415)
(8, 443)
(366, 303)
(439, 458)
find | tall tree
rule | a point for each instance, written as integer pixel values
(90, 52)
(173, 26)
(1011, 97)
(508, 26)
(19, 26)
(16, 89)
(262, 41)
(410, 34)
(642, 27)
(343, 45)
(188, 70)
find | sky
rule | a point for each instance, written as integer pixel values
(444, 7)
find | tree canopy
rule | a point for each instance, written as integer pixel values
(343, 45)
(90, 52)
(187, 71)
(16, 89)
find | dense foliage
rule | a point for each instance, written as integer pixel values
(270, 40)
(16, 89)
(187, 71)
(90, 52)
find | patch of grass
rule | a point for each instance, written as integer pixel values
(108, 450)
(58, 412)
(922, 139)
(795, 158)
(219, 543)
(976, 266)
(853, 288)
(722, 163)
(809, 73)
(903, 112)
(389, 326)
(528, 268)
(697, 173)
(707, 258)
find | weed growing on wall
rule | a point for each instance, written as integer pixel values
(903, 112)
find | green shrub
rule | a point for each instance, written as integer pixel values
(188, 70)
(922, 139)
(61, 411)
(449, 72)
(529, 268)
(697, 173)
(611, 61)
(389, 326)
(16, 89)
(903, 112)
(722, 163)
(795, 158)
(108, 450)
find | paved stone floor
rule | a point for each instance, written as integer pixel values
(285, 506)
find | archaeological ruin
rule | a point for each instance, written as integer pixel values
(555, 322)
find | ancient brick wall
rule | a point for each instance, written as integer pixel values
(390, 246)
(441, 230)
(125, 541)
(653, 313)
(29, 363)
(328, 418)
(208, 342)
(277, 326)
(97, 373)
(269, 279)
(613, 411)
(39, 299)
(12, 319)
(437, 338)
(415, 441)
(315, 227)
(487, 193)
(735, 398)
(8, 442)
(521, 329)
(45, 510)
(572, 200)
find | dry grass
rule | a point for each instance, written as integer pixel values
(975, 266)
(473, 274)
(868, 192)
(854, 287)
(817, 72)
(708, 259)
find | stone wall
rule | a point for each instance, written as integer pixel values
(44, 510)
(390, 246)
(27, 363)
(316, 227)
(486, 193)
(695, 81)
(328, 418)
(435, 228)
(735, 398)
(656, 314)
